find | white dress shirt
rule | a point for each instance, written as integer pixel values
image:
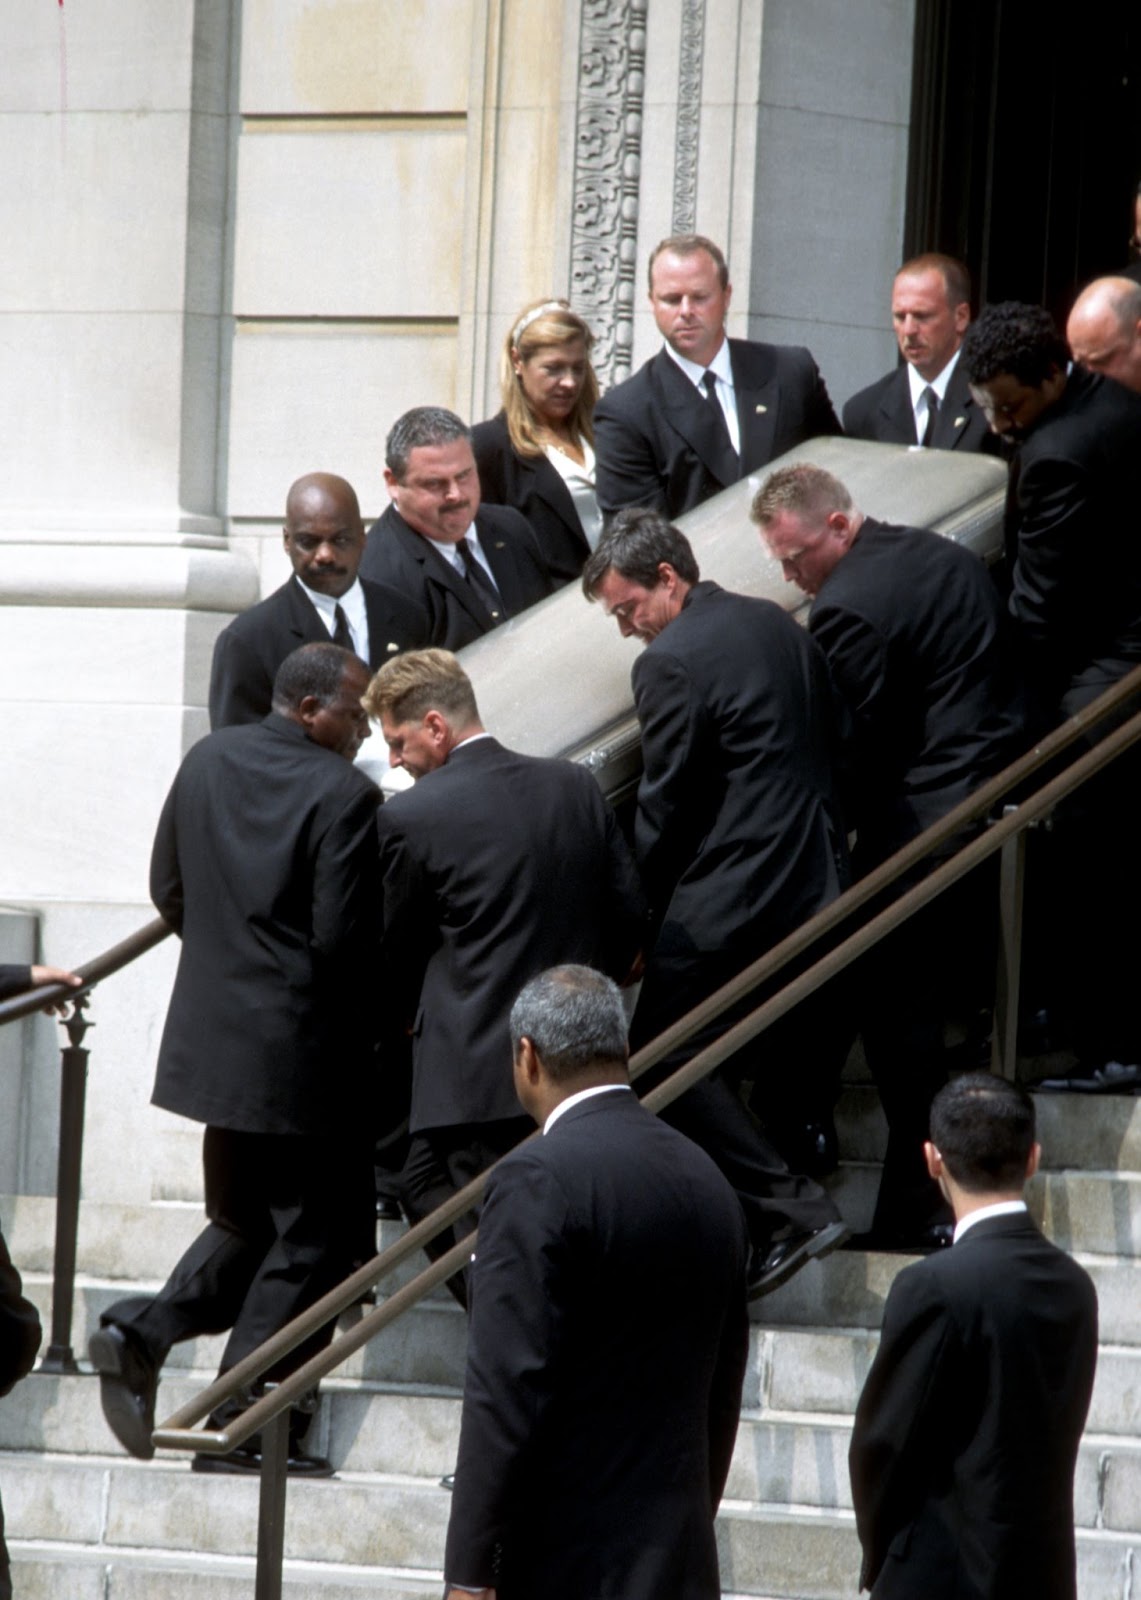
(451, 555)
(726, 393)
(583, 1094)
(356, 614)
(1001, 1208)
(919, 387)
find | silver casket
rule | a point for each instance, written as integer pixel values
(556, 680)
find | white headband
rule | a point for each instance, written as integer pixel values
(533, 316)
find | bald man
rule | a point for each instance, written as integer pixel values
(325, 599)
(1104, 330)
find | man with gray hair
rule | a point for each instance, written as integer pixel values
(1104, 330)
(594, 1448)
(739, 841)
(469, 567)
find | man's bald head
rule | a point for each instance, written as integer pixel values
(323, 533)
(1104, 330)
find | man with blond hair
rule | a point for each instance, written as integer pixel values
(706, 410)
(496, 866)
(920, 655)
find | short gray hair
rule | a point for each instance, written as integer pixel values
(575, 1019)
(422, 426)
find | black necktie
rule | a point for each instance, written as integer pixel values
(721, 424)
(478, 579)
(932, 416)
(341, 634)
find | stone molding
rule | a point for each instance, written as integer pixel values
(130, 577)
(688, 138)
(607, 171)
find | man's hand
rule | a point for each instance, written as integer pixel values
(42, 975)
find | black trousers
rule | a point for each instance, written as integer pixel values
(712, 1113)
(287, 1214)
(441, 1162)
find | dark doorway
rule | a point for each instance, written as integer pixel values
(1025, 142)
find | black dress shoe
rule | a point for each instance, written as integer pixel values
(789, 1254)
(388, 1209)
(127, 1385)
(246, 1459)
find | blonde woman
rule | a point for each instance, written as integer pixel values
(537, 455)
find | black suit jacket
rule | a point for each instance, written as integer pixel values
(265, 863)
(1073, 543)
(496, 866)
(966, 1434)
(395, 554)
(248, 653)
(532, 486)
(595, 1442)
(737, 832)
(882, 412)
(657, 441)
(922, 659)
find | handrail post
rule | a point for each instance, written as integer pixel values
(59, 1356)
(1008, 981)
(271, 1507)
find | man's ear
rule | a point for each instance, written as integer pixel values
(307, 708)
(527, 1063)
(934, 1160)
(1033, 1159)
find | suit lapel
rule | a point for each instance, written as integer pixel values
(758, 403)
(693, 419)
(955, 413)
(895, 407)
(442, 574)
(301, 615)
(501, 558)
(550, 488)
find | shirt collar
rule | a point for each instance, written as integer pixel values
(351, 602)
(577, 1099)
(447, 548)
(1001, 1208)
(939, 382)
(721, 365)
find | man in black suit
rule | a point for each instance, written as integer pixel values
(926, 401)
(495, 866)
(470, 568)
(706, 410)
(738, 840)
(1074, 561)
(324, 599)
(1104, 330)
(921, 658)
(265, 864)
(596, 1438)
(967, 1430)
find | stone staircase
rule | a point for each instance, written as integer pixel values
(87, 1523)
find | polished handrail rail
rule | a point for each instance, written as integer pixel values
(91, 972)
(179, 1432)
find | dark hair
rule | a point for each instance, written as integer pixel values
(635, 545)
(1014, 338)
(983, 1127)
(423, 425)
(312, 669)
(956, 278)
(575, 1019)
(689, 244)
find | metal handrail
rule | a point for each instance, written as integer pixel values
(179, 1432)
(92, 972)
(59, 1355)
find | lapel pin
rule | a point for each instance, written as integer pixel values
(499, 544)
(761, 410)
(959, 421)
(390, 647)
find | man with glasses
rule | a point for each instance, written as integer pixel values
(325, 599)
